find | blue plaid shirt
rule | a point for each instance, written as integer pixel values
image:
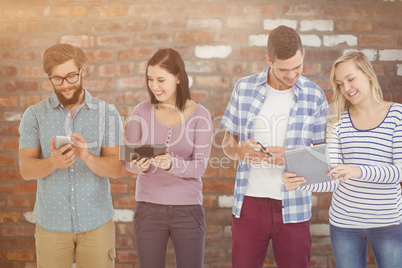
(73, 199)
(306, 126)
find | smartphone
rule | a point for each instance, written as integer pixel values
(129, 153)
(61, 141)
(265, 149)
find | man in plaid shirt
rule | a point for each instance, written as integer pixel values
(268, 113)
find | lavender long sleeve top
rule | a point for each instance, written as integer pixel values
(189, 144)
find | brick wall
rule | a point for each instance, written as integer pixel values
(220, 41)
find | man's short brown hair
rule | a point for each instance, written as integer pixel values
(283, 43)
(61, 53)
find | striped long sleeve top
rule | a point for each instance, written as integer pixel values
(374, 199)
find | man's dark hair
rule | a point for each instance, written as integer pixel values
(283, 43)
(61, 53)
(171, 61)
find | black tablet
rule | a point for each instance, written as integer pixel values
(129, 153)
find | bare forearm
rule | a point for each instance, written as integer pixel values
(106, 166)
(230, 146)
(34, 169)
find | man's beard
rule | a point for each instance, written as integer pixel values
(74, 99)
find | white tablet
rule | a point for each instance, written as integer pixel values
(310, 162)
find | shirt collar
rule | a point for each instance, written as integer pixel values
(54, 101)
(263, 77)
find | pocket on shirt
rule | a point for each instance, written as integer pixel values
(93, 140)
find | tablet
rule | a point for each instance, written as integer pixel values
(129, 153)
(311, 162)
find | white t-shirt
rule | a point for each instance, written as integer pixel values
(269, 128)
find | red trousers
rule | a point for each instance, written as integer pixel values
(259, 222)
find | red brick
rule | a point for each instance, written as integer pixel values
(214, 255)
(311, 69)
(231, 68)
(214, 82)
(153, 37)
(8, 42)
(6, 188)
(29, 86)
(110, 10)
(8, 101)
(380, 10)
(21, 27)
(9, 216)
(18, 230)
(116, 69)
(125, 25)
(194, 37)
(127, 256)
(107, 84)
(114, 40)
(135, 53)
(8, 71)
(20, 55)
(118, 187)
(124, 202)
(334, 10)
(376, 40)
(10, 174)
(9, 130)
(199, 95)
(68, 11)
(124, 228)
(303, 10)
(26, 101)
(318, 261)
(81, 41)
(388, 26)
(353, 26)
(124, 242)
(168, 23)
(25, 188)
(210, 201)
(210, 172)
(21, 255)
(218, 186)
(272, 9)
(221, 217)
(99, 55)
(33, 72)
(324, 200)
(21, 201)
(16, 242)
(6, 160)
(10, 145)
(133, 184)
(22, 13)
(228, 172)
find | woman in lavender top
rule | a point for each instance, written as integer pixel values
(365, 145)
(169, 186)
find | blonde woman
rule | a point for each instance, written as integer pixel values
(365, 144)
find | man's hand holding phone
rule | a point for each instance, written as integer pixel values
(62, 154)
(250, 151)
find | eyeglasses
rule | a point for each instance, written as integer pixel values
(71, 79)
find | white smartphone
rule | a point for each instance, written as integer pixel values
(62, 140)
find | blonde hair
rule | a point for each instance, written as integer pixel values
(340, 103)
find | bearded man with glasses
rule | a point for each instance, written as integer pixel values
(73, 208)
